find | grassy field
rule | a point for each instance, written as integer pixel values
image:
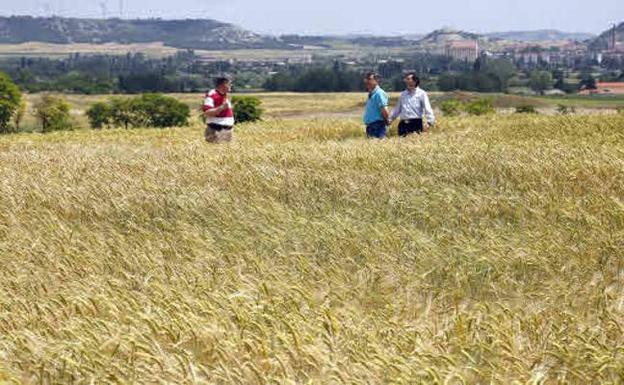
(275, 105)
(286, 105)
(63, 50)
(603, 101)
(487, 252)
(158, 49)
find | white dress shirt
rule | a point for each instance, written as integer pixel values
(413, 105)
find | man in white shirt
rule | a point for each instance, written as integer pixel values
(413, 108)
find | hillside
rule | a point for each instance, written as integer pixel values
(603, 41)
(437, 40)
(443, 36)
(540, 35)
(192, 33)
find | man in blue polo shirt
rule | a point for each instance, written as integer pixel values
(376, 115)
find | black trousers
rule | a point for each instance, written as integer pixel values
(412, 126)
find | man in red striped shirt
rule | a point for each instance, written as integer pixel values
(219, 112)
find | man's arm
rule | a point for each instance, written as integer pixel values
(211, 110)
(386, 115)
(396, 111)
(383, 103)
(428, 110)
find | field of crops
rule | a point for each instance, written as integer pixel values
(36, 49)
(487, 252)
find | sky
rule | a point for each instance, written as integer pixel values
(351, 16)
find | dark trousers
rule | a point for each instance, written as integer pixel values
(377, 130)
(411, 126)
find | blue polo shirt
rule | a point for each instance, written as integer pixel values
(377, 99)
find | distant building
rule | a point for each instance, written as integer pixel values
(531, 57)
(615, 53)
(614, 88)
(303, 59)
(568, 55)
(463, 50)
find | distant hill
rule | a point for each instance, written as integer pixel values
(388, 41)
(192, 33)
(358, 40)
(215, 35)
(602, 42)
(540, 35)
(443, 36)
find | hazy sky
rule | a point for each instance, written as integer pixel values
(353, 16)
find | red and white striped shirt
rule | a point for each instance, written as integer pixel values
(215, 99)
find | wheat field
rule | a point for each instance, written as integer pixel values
(487, 252)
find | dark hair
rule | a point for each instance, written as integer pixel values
(414, 77)
(222, 80)
(373, 75)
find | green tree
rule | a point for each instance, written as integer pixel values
(280, 82)
(447, 82)
(99, 115)
(502, 70)
(247, 109)
(10, 97)
(485, 76)
(156, 110)
(540, 81)
(53, 114)
(121, 112)
(148, 110)
(587, 82)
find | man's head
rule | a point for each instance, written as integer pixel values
(223, 85)
(411, 80)
(371, 79)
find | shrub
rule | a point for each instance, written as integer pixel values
(148, 110)
(565, 110)
(156, 110)
(526, 109)
(620, 110)
(480, 106)
(10, 97)
(247, 109)
(99, 115)
(452, 107)
(52, 113)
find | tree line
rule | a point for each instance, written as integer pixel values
(186, 72)
(100, 74)
(146, 110)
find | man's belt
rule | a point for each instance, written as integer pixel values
(409, 121)
(219, 127)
